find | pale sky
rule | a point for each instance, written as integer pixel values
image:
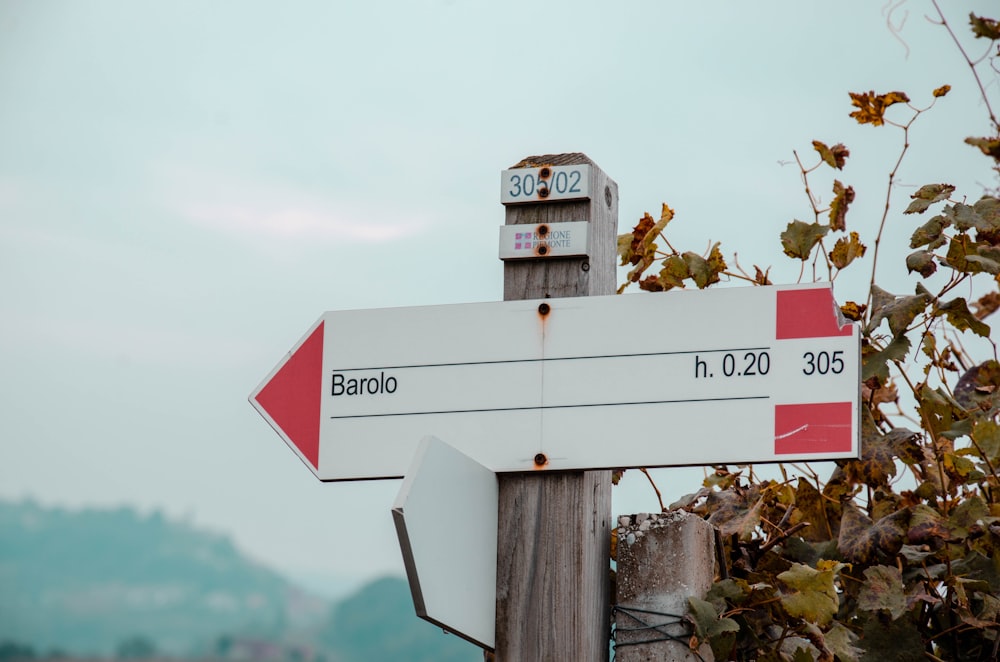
(185, 187)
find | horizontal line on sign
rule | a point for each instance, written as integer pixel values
(558, 358)
(598, 404)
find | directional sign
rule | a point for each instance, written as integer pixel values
(446, 520)
(737, 375)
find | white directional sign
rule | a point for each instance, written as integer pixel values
(737, 375)
(446, 519)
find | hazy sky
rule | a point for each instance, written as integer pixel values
(186, 186)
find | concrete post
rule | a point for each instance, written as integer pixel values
(663, 559)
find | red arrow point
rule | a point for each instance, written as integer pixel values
(292, 397)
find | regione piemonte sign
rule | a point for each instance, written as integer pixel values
(737, 375)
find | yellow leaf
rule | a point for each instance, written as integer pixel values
(941, 91)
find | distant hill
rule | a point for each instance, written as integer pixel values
(85, 581)
(118, 583)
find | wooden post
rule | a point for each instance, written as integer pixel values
(554, 528)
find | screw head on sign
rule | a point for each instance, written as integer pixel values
(542, 250)
(545, 172)
(542, 230)
(543, 309)
(541, 460)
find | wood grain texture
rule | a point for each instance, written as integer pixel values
(553, 543)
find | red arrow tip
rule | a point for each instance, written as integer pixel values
(292, 397)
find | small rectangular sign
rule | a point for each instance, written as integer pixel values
(720, 376)
(543, 240)
(545, 184)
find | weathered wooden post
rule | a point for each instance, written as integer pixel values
(554, 529)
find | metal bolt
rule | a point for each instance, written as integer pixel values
(541, 460)
(542, 230)
(543, 192)
(544, 309)
(585, 266)
(543, 249)
(545, 173)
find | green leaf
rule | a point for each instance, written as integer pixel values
(877, 364)
(877, 463)
(987, 436)
(799, 239)
(705, 272)
(899, 311)
(625, 249)
(883, 591)
(922, 262)
(930, 234)
(833, 156)
(928, 195)
(988, 210)
(959, 316)
(673, 273)
(840, 640)
(809, 593)
(720, 633)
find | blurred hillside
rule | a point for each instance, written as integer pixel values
(115, 584)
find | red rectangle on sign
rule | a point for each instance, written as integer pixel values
(813, 428)
(808, 313)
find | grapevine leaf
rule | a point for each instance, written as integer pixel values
(941, 91)
(853, 311)
(674, 271)
(986, 305)
(842, 198)
(720, 633)
(988, 146)
(922, 262)
(927, 195)
(960, 317)
(988, 210)
(833, 156)
(811, 507)
(799, 238)
(862, 541)
(963, 256)
(846, 250)
(871, 107)
(927, 526)
(703, 271)
(625, 248)
(986, 433)
(883, 591)
(971, 512)
(736, 518)
(809, 593)
(876, 364)
(840, 640)
(930, 234)
(963, 217)
(639, 234)
(986, 28)
(978, 387)
(905, 445)
(898, 311)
